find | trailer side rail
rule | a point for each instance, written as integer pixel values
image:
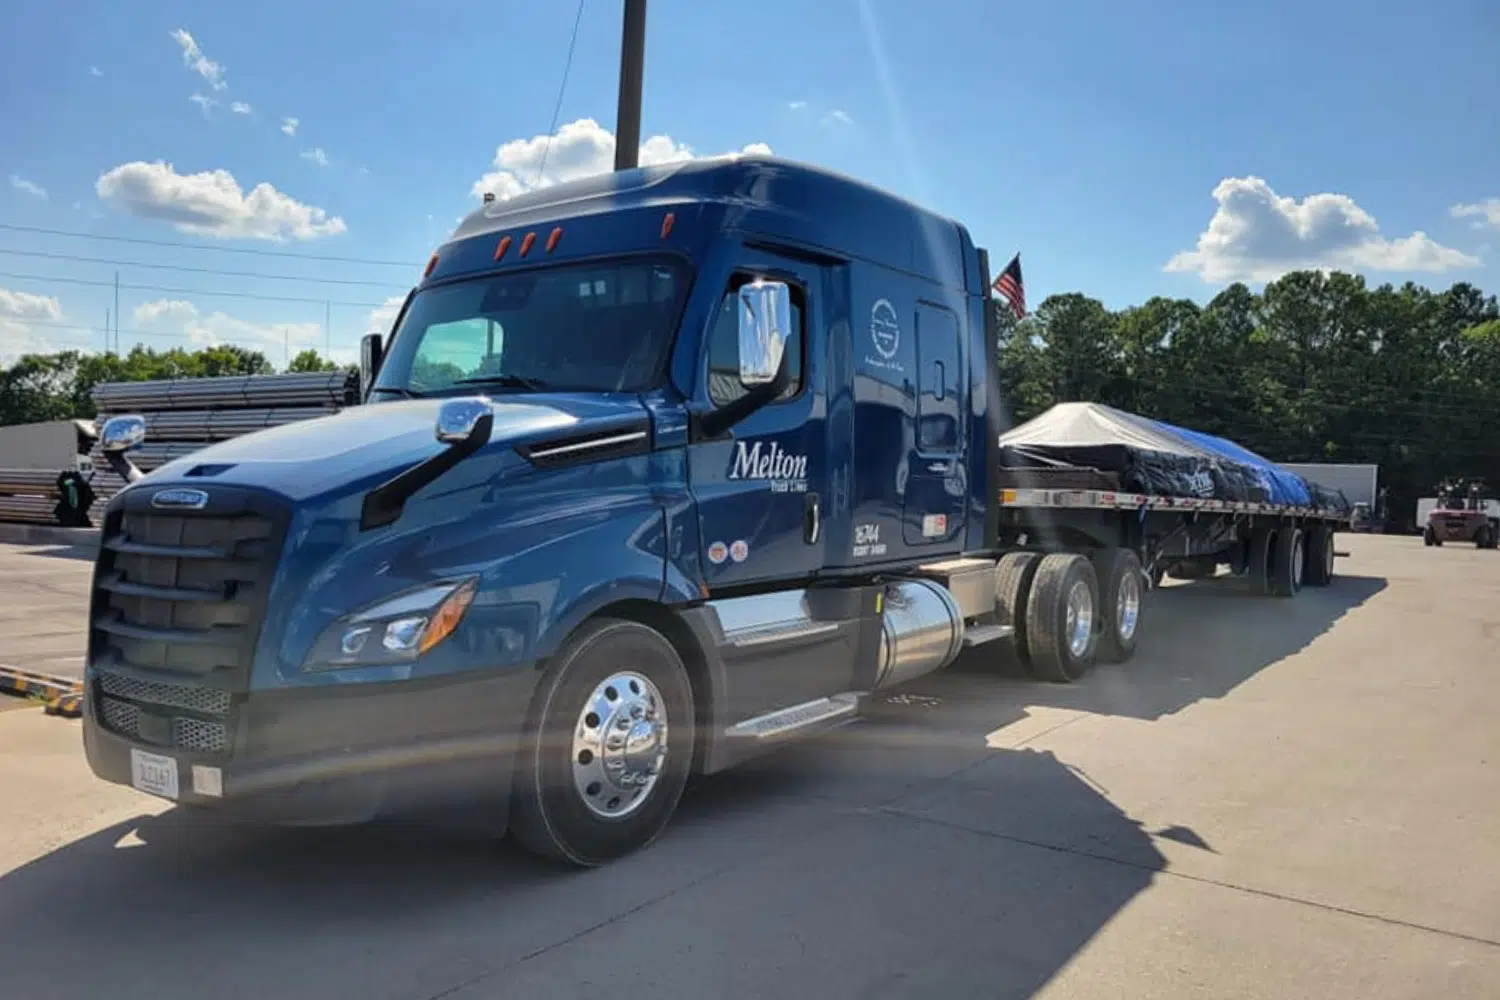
(1113, 500)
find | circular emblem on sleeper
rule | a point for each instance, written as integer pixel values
(739, 551)
(717, 553)
(885, 329)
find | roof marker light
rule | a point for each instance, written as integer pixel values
(666, 224)
(526, 242)
(552, 239)
(431, 263)
(501, 247)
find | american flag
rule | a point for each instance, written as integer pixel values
(1010, 285)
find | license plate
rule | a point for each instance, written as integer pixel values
(153, 773)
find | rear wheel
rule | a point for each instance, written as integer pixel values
(608, 752)
(1061, 618)
(1013, 577)
(1319, 556)
(1288, 561)
(1122, 600)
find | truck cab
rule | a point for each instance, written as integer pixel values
(655, 469)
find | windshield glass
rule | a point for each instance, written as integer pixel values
(598, 327)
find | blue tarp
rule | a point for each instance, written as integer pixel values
(1281, 485)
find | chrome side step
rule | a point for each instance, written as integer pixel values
(978, 635)
(785, 721)
(781, 633)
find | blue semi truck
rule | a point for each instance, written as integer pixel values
(655, 470)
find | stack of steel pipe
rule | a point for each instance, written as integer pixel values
(184, 415)
(28, 495)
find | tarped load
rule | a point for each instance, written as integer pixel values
(1148, 456)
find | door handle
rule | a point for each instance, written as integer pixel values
(812, 519)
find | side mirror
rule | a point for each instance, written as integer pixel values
(765, 311)
(464, 425)
(121, 434)
(371, 355)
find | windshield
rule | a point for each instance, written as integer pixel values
(598, 327)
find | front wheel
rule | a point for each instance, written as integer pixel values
(609, 748)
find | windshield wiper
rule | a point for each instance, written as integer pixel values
(507, 381)
(400, 391)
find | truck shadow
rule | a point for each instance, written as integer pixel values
(969, 871)
(1200, 640)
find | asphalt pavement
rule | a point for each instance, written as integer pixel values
(1274, 799)
(44, 606)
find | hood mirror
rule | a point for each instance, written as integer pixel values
(121, 434)
(464, 425)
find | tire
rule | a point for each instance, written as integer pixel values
(551, 814)
(1319, 556)
(1288, 562)
(1428, 539)
(1122, 602)
(1262, 555)
(1013, 576)
(1482, 538)
(1063, 640)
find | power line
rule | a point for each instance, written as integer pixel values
(561, 89)
(196, 270)
(189, 291)
(12, 227)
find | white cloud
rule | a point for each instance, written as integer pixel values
(1257, 235)
(797, 105)
(315, 155)
(24, 186)
(289, 125)
(95, 71)
(240, 108)
(211, 203)
(840, 117)
(581, 148)
(18, 336)
(1485, 213)
(206, 104)
(194, 59)
(179, 318)
(758, 149)
(383, 316)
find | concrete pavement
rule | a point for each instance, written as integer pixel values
(44, 609)
(1275, 799)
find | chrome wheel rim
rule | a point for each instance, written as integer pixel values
(1128, 606)
(1328, 557)
(1079, 624)
(1297, 560)
(619, 745)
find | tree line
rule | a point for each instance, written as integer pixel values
(1316, 367)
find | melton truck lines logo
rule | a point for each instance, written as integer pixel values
(786, 472)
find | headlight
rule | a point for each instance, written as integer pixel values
(396, 630)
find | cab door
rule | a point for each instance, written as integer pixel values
(760, 486)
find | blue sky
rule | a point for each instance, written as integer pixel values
(1099, 138)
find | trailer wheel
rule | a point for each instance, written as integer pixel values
(1288, 562)
(1013, 576)
(607, 755)
(1062, 618)
(1428, 539)
(1319, 572)
(1482, 539)
(1262, 555)
(1122, 599)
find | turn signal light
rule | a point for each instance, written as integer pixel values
(501, 247)
(447, 616)
(529, 239)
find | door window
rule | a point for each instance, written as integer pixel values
(724, 385)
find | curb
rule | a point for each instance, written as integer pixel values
(44, 534)
(62, 696)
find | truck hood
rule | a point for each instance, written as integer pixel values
(366, 444)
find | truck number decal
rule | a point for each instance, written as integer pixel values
(867, 541)
(786, 472)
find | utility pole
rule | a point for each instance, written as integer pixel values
(632, 73)
(117, 312)
(106, 331)
(328, 327)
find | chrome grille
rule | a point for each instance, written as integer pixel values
(206, 701)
